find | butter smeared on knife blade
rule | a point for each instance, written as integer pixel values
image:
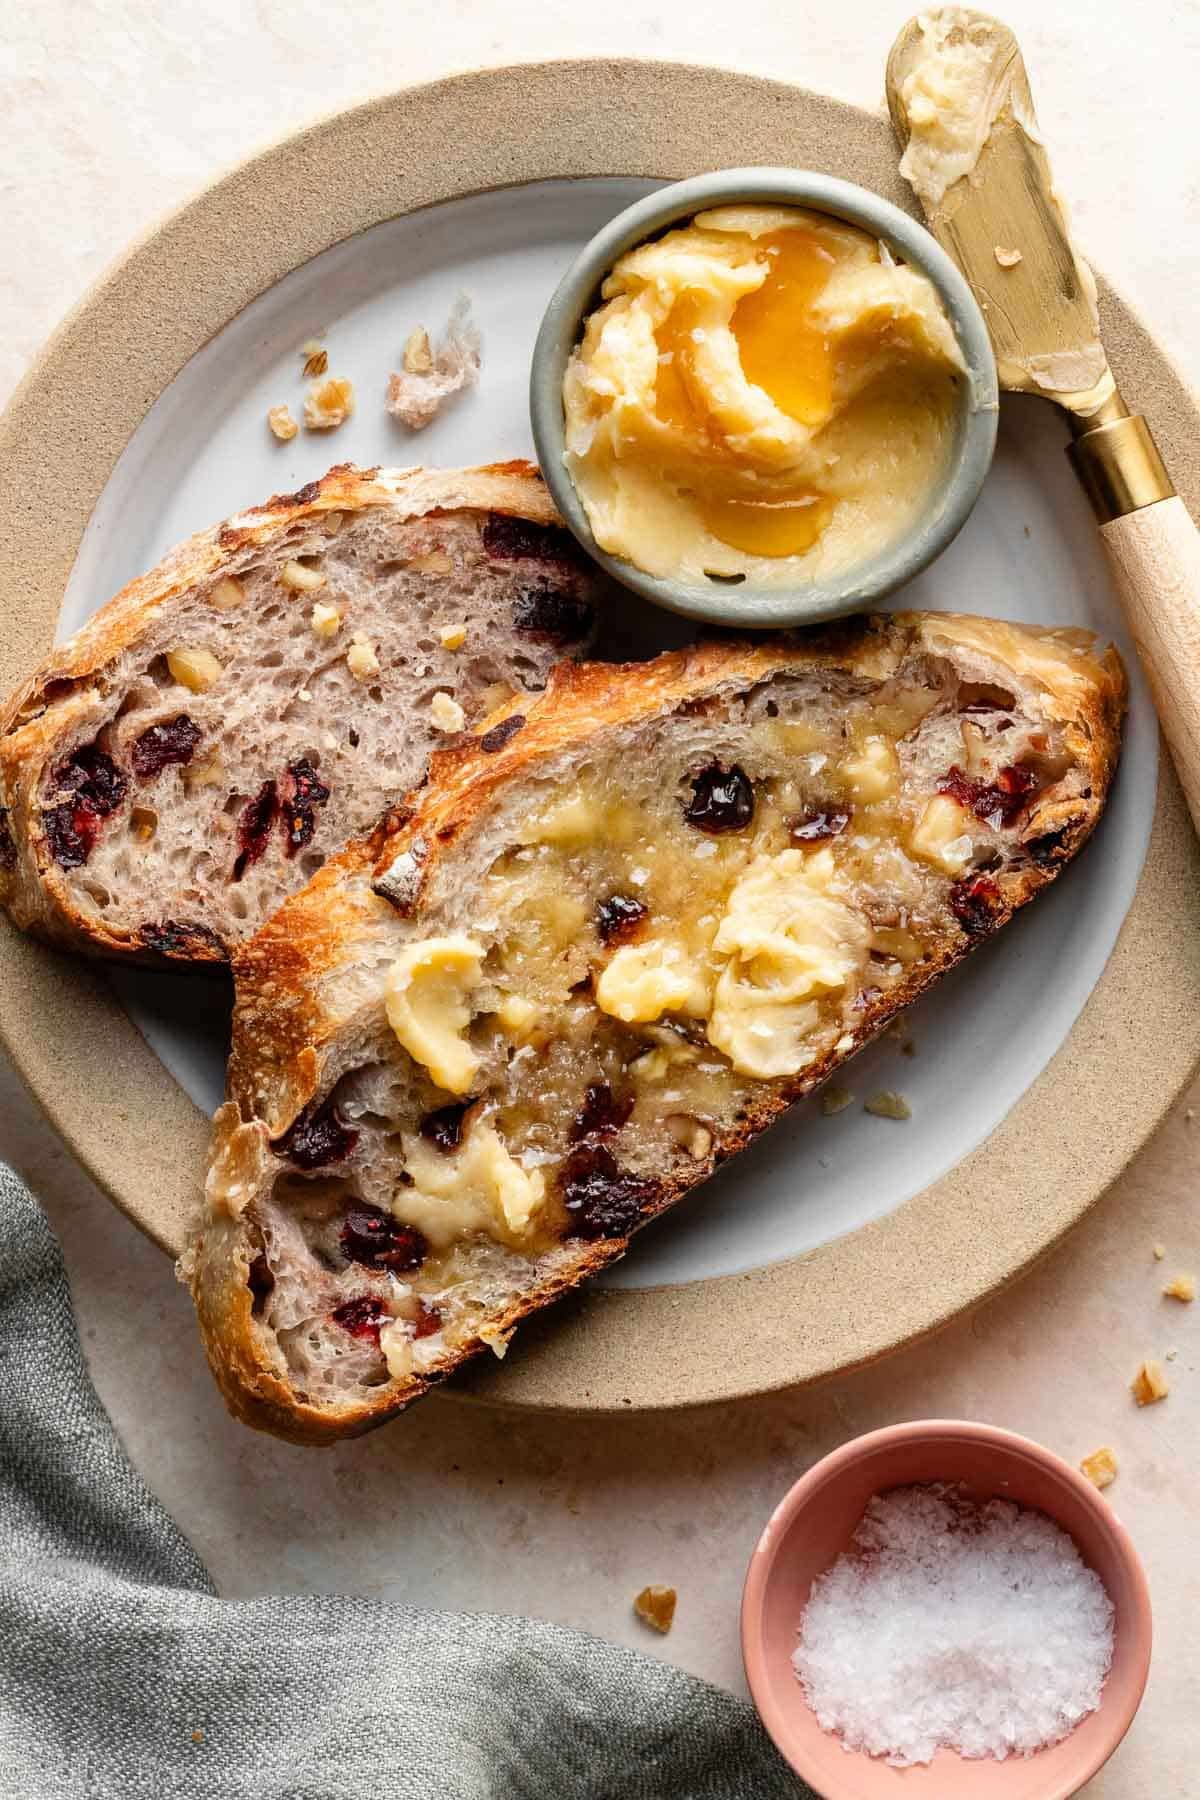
(960, 103)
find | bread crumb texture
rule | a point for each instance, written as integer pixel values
(1101, 1467)
(1149, 1384)
(655, 1606)
(1181, 1287)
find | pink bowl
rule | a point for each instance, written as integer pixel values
(814, 1522)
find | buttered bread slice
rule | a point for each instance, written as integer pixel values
(615, 936)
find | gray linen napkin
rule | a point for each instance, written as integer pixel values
(123, 1674)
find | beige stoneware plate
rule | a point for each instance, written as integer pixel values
(817, 1251)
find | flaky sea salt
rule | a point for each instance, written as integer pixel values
(977, 1628)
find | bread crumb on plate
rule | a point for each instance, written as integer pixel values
(1181, 1287)
(655, 1606)
(1160, 1250)
(428, 378)
(282, 424)
(835, 1099)
(1100, 1467)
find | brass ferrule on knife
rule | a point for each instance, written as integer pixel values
(1117, 461)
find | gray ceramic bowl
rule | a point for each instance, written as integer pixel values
(745, 603)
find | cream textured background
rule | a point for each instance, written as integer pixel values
(123, 109)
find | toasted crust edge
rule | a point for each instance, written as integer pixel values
(301, 942)
(32, 889)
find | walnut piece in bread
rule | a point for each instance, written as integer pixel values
(618, 934)
(239, 656)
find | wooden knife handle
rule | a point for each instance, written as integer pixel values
(1154, 554)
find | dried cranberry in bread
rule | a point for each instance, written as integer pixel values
(617, 936)
(199, 748)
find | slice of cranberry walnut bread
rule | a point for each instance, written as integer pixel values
(196, 752)
(617, 935)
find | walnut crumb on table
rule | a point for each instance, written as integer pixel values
(1101, 1467)
(1149, 1384)
(1181, 1287)
(655, 1606)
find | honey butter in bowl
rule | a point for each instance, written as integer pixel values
(763, 397)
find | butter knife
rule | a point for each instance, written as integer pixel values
(960, 103)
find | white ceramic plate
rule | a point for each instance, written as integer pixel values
(1029, 552)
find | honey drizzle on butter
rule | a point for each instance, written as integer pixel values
(782, 349)
(673, 402)
(785, 353)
